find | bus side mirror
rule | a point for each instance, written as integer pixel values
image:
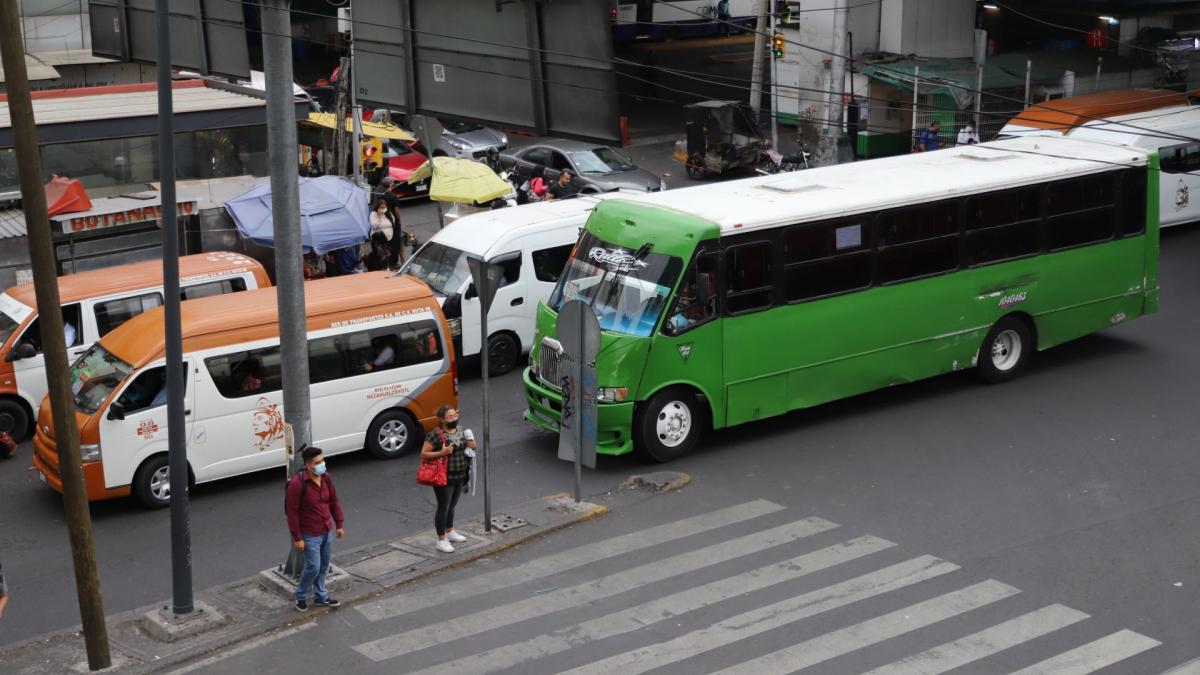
(22, 350)
(116, 411)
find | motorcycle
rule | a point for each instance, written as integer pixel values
(771, 161)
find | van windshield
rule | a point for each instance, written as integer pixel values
(94, 376)
(7, 326)
(443, 268)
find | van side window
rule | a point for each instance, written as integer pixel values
(548, 263)
(246, 373)
(148, 390)
(72, 329)
(420, 343)
(1181, 158)
(113, 313)
(211, 288)
(338, 356)
(511, 264)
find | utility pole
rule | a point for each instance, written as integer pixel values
(289, 253)
(775, 29)
(355, 148)
(756, 68)
(181, 535)
(45, 283)
(339, 113)
(827, 146)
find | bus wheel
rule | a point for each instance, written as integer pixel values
(392, 434)
(504, 353)
(152, 483)
(14, 421)
(668, 425)
(1005, 350)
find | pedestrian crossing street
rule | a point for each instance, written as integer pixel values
(686, 611)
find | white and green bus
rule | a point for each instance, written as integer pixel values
(726, 303)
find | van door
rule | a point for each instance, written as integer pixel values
(241, 427)
(506, 314)
(31, 371)
(134, 427)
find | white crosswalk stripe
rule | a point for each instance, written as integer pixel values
(416, 600)
(1093, 656)
(649, 613)
(575, 596)
(985, 642)
(705, 618)
(772, 616)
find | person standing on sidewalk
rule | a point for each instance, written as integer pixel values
(448, 440)
(314, 514)
(3, 593)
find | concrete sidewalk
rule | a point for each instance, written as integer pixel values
(243, 611)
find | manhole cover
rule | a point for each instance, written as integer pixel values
(505, 522)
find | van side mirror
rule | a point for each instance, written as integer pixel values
(116, 411)
(22, 350)
(470, 293)
(706, 263)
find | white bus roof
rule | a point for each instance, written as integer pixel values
(871, 185)
(479, 232)
(1148, 129)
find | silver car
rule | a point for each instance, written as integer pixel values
(597, 168)
(466, 140)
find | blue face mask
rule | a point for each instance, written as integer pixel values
(319, 469)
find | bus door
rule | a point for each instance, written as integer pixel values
(134, 426)
(688, 348)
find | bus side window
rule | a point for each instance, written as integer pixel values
(1080, 210)
(748, 277)
(919, 241)
(696, 302)
(1132, 212)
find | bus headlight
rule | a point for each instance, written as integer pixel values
(90, 453)
(455, 327)
(611, 394)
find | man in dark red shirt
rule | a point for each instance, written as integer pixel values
(314, 514)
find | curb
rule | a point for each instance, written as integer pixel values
(251, 610)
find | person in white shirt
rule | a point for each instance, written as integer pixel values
(967, 135)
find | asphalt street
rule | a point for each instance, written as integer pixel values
(1047, 523)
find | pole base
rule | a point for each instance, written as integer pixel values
(276, 581)
(166, 626)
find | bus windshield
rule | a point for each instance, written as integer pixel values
(442, 268)
(94, 376)
(626, 289)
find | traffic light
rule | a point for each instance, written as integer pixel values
(777, 46)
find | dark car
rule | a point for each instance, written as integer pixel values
(597, 168)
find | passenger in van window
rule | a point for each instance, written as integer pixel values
(252, 381)
(384, 355)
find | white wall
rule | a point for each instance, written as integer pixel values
(929, 28)
(806, 68)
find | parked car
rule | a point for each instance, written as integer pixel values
(466, 140)
(403, 158)
(597, 168)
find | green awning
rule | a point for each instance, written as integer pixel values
(956, 78)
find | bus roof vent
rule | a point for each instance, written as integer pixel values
(994, 156)
(791, 184)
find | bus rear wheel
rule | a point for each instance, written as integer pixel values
(394, 433)
(668, 425)
(1005, 350)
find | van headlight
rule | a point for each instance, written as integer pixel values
(455, 327)
(611, 394)
(90, 453)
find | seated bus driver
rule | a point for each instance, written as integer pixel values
(688, 309)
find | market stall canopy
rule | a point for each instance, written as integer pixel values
(372, 129)
(461, 180)
(955, 78)
(333, 214)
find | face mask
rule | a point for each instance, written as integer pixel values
(451, 424)
(319, 469)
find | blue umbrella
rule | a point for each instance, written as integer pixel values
(333, 214)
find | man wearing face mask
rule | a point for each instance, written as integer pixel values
(314, 514)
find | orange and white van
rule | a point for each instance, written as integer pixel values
(94, 303)
(380, 364)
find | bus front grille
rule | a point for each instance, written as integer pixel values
(548, 364)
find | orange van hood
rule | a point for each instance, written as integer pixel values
(88, 431)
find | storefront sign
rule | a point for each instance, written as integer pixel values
(142, 214)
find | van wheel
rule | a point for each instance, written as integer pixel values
(14, 421)
(503, 354)
(393, 433)
(152, 483)
(669, 424)
(1005, 350)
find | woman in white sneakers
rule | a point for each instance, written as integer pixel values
(451, 441)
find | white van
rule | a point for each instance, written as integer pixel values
(1168, 131)
(531, 242)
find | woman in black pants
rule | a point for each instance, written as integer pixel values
(448, 440)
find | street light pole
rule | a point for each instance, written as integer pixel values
(181, 536)
(49, 306)
(285, 208)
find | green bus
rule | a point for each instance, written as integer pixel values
(726, 303)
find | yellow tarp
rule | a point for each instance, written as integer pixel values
(372, 129)
(461, 180)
